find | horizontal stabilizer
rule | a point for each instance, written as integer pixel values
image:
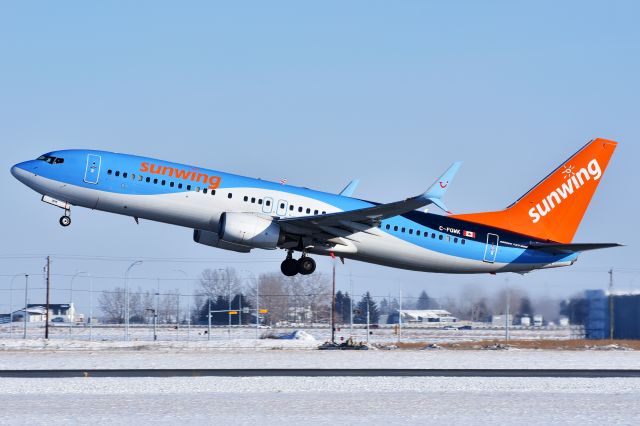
(570, 248)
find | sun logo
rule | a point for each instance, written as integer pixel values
(567, 172)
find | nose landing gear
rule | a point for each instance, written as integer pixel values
(304, 266)
(65, 220)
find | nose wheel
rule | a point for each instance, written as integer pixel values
(304, 266)
(66, 219)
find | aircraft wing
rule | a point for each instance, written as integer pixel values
(371, 216)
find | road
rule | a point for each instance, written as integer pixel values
(321, 372)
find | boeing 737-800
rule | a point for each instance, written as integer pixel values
(239, 213)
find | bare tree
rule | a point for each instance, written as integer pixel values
(220, 282)
(111, 303)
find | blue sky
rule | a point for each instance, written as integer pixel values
(320, 93)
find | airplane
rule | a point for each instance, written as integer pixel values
(239, 213)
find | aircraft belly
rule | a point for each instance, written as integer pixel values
(391, 251)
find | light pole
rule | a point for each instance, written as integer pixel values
(26, 293)
(155, 322)
(72, 318)
(209, 321)
(178, 305)
(90, 308)
(126, 297)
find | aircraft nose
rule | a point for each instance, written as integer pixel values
(19, 171)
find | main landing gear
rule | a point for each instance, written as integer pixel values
(290, 266)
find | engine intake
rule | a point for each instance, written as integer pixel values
(250, 230)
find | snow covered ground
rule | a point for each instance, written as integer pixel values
(325, 400)
(39, 354)
(383, 335)
(209, 400)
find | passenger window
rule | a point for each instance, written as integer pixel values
(418, 233)
(268, 203)
(117, 173)
(140, 177)
(124, 175)
(299, 209)
(410, 231)
(259, 200)
(253, 200)
(204, 190)
(290, 208)
(395, 228)
(213, 192)
(230, 195)
(433, 235)
(462, 241)
(155, 180)
(109, 171)
(315, 212)
(388, 226)
(188, 187)
(402, 229)
(308, 211)
(197, 189)
(282, 205)
(323, 212)
(440, 237)
(171, 184)
(246, 198)
(148, 179)
(133, 176)
(455, 240)
(164, 182)
(179, 185)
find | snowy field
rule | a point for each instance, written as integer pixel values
(324, 400)
(383, 335)
(208, 400)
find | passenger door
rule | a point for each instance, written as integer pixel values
(491, 249)
(92, 171)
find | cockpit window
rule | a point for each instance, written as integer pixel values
(51, 160)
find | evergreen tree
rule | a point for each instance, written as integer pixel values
(424, 302)
(384, 306)
(339, 306)
(526, 309)
(366, 303)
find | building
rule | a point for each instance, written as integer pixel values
(58, 312)
(422, 316)
(499, 320)
(625, 307)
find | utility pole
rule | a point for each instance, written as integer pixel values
(611, 313)
(350, 304)
(506, 317)
(333, 302)
(26, 303)
(46, 314)
(209, 320)
(400, 317)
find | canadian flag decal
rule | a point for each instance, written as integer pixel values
(469, 234)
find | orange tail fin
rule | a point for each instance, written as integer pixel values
(553, 209)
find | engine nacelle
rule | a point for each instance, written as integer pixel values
(212, 239)
(250, 230)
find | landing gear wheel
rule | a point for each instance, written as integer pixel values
(289, 267)
(306, 265)
(65, 221)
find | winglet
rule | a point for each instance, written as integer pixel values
(349, 189)
(436, 191)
